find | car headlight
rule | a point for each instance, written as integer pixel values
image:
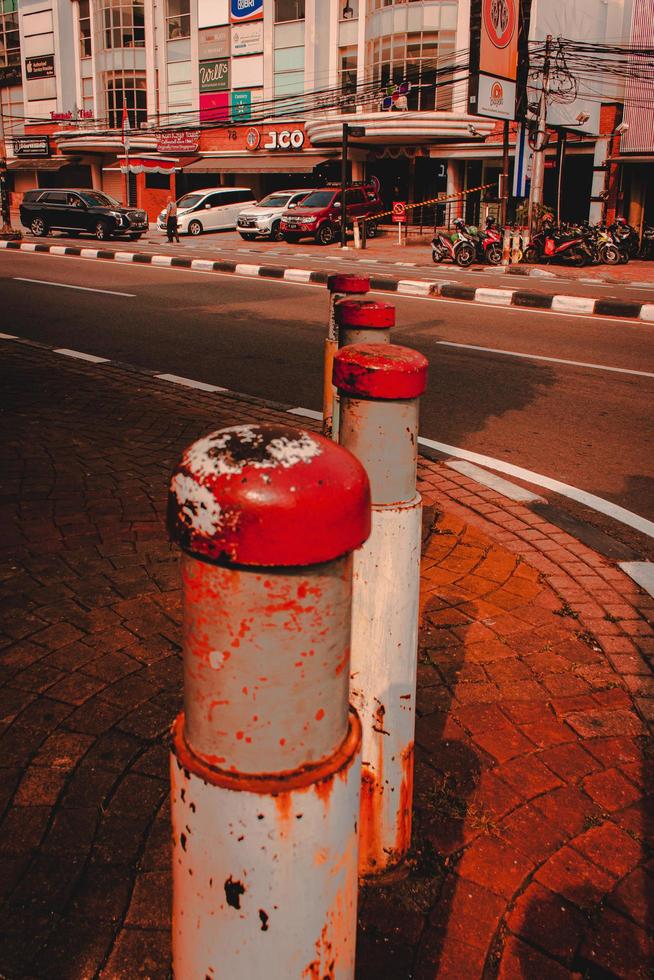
(264, 217)
(119, 218)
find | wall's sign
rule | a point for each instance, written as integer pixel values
(214, 75)
(10, 75)
(247, 38)
(274, 139)
(493, 58)
(184, 141)
(42, 67)
(213, 43)
(240, 10)
(31, 146)
(241, 106)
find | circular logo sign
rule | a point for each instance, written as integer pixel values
(252, 139)
(499, 21)
(497, 92)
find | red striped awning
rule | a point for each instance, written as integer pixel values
(141, 164)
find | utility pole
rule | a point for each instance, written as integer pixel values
(4, 196)
(538, 170)
(344, 185)
(504, 189)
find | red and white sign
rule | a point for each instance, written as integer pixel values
(184, 141)
(274, 139)
(399, 212)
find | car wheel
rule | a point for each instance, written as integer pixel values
(247, 238)
(39, 227)
(371, 229)
(102, 231)
(276, 233)
(195, 228)
(325, 235)
(465, 256)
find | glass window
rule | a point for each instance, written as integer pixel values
(348, 9)
(409, 70)
(9, 36)
(178, 19)
(319, 199)
(347, 76)
(288, 10)
(84, 29)
(54, 197)
(126, 89)
(122, 23)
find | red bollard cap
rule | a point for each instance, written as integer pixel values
(385, 371)
(341, 283)
(268, 495)
(365, 313)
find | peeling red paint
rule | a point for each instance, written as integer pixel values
(383, 371)
(339, 282)
(365, 313)
(320, 714)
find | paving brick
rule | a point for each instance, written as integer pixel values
(632, 897)
(580, 881)
(569, 808)
(520, 961)
(528, 776)
(569, 761)
(610, 789)
(547, 921)
(139, 953)
(496, 866)
(618, 947)
(610, 848)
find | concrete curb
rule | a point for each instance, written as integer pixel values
(581, 305)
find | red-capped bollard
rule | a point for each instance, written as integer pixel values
(340, 286)
(362, 321)
(265, 760)
(379, 387)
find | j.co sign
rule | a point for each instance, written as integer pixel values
(242, 10)
(285, 139)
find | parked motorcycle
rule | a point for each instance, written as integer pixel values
(646, 250)
(625, 238)
(489, 243)
(461, 247)
(560, 244)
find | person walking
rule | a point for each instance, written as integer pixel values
(171, 220)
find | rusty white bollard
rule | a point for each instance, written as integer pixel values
(362, 321)
(379, 387)
(340, 287)
(265, 761)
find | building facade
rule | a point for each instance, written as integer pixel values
(245, 93)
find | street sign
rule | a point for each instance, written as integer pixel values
(356, 131)
(399, 212)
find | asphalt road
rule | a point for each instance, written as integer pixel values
(307, 255)
(584, 425)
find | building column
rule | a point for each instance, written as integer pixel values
(596, 209)
(454, 186)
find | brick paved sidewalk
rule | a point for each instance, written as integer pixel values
(533, 810)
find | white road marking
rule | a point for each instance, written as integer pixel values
(80, 355)
(642, 572)
(67, 285)
(307, 413)
(539, 357)
(510, 490)
(189, 383)
(8, 336)
(613, 511)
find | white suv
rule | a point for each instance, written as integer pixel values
(211, 209)
(264, 218)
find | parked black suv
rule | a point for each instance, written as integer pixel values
(79, 212)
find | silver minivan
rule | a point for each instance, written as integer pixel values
(210, 209)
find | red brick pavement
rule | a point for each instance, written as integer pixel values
(533, 812)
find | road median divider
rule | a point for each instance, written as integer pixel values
(417, 288)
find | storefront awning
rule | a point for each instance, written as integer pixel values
(252, 163)
(139, 164)
(47, 163)
(635, 158)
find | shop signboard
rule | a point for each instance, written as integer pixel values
(42, 67)
(214, 106)
(31, 146)
(243, 10)
(274, 139)
(183, 141)
(213, 43)
(10, 75)
(493, 58)
(241, 106)
(214, 75)
(247, 38)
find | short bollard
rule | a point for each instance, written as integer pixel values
(362, 321)
(265, 760)
(379, 387)
(339, 286)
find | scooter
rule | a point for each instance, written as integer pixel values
(489, 243)
(461, 247)
(555, 244)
